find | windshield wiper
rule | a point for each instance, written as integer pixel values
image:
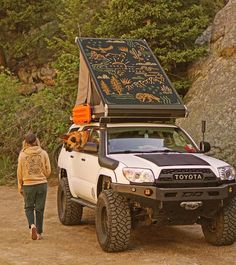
(125, 152)
(151, 151)
(163, 151)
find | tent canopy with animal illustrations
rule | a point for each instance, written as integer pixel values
(122, 78)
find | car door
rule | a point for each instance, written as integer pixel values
(85, 170)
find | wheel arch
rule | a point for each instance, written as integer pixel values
(105, 173)
(100, 185)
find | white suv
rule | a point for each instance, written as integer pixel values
(131, 172)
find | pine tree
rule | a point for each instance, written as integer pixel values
(170, 28)
(24, 26)
(79, 18)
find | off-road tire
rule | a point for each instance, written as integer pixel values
(69, 212)
(221, 230)
(113, 221)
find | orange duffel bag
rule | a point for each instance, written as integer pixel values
(81, 114)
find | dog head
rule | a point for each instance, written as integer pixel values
(75, 141)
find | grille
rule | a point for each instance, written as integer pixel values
(167, 179)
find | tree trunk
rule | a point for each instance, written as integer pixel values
(2, 57)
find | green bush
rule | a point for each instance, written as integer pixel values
(7, 170)
(46, 113)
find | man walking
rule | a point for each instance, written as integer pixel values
(32, 172)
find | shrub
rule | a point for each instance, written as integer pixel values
(46, 113)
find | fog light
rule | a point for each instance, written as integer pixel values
(230, 189)
(148, 192)
(133, 189)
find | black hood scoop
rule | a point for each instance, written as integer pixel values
(174, 159)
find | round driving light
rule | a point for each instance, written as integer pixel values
(148, 192)
(133, 189)
(230, 189)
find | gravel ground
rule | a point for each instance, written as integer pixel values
(68, 245)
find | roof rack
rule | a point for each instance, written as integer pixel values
(105, 120)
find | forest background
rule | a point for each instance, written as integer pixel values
(40, 35)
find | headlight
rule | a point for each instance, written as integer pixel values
(138, 175)
(227, 173)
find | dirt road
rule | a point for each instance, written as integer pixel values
(78, 245)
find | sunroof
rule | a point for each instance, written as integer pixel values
(126, 72)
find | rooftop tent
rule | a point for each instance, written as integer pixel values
(123, 78)
(87, 93)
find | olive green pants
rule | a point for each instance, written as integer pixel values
(35, 198)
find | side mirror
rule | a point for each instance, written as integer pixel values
(90, 147)
(205, 147)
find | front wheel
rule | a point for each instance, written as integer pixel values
(221, 230)
(113, 221)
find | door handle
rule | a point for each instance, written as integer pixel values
(83, 159)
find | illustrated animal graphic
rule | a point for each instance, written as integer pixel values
(96, 56)
(101, 49)
(75, 141)
(143, 97)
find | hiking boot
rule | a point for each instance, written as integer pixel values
(33, 232)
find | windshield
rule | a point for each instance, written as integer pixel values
(148, 139)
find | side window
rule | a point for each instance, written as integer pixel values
(94, 136)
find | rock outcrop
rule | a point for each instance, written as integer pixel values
(212, 96)
(35, 78)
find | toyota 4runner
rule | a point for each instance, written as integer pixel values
(130, 172)
(136, 166)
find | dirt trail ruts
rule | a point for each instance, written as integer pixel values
(68, 245)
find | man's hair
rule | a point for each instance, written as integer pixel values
(30, 138)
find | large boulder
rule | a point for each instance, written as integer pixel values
(35, 78)
(212, 96)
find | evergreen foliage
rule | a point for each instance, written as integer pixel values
(24, 26)
(79, 18)
(169, 27)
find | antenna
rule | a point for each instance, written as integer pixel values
(203, 130)
(79, 29)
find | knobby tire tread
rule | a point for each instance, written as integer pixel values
(226, 233)
(119, 221)
(73, 211)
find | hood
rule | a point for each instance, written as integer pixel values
(29, 149)
(170, 160)
(131, 160)
(212, 161)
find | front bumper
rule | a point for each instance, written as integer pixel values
(176, 194)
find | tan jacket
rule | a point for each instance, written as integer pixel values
(33, 166)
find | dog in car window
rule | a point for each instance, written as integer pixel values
(75, 141)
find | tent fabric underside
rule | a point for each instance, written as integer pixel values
(86, 89)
